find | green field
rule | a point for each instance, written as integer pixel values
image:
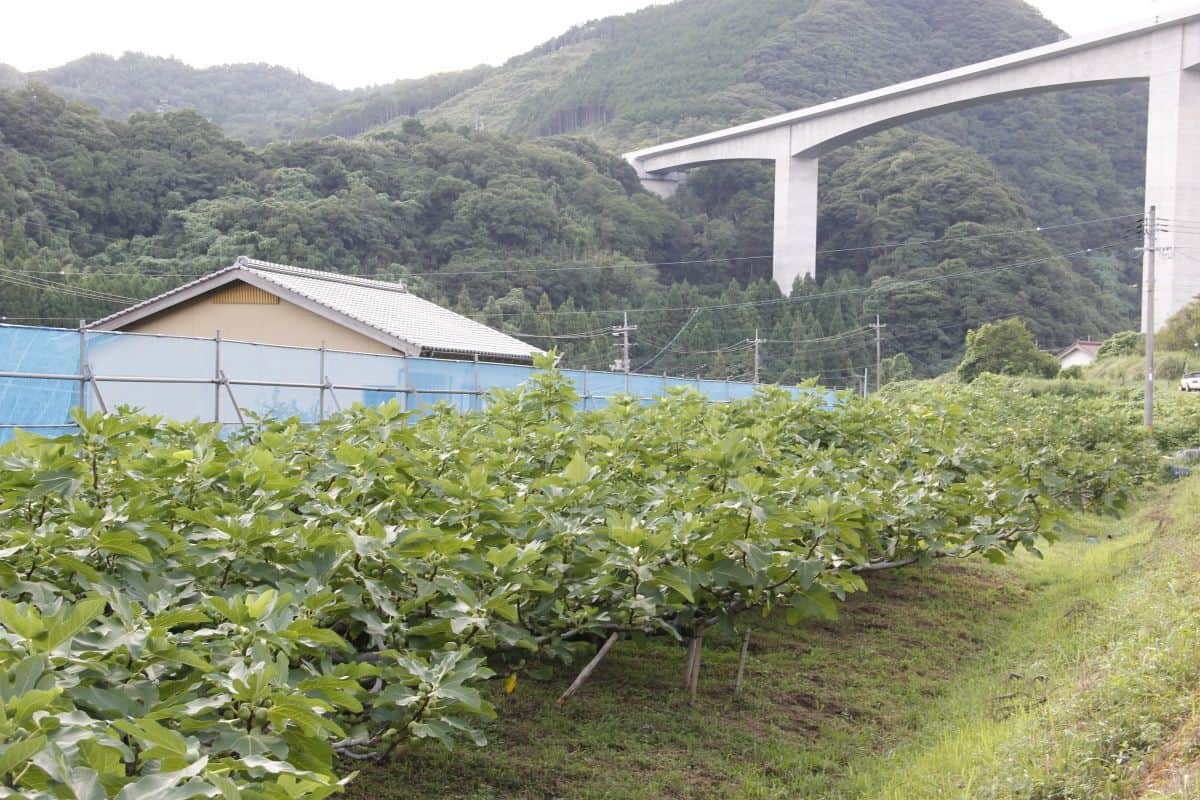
(1070, 677)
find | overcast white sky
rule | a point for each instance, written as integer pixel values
(354, 43)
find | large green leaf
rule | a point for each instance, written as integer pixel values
(74, 622)
(17, 753)
(26, 623)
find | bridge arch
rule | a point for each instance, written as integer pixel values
(1166, 53)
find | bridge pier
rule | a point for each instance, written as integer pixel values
(1173, 186)
(795, 246)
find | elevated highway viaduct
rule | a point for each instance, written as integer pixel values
(1166, 53)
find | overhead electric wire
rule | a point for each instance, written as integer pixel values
(14, 279)
(38, 283)
(746, 345)
(831, 337)
(993, 234)
(899, 283)
(635, 265)
(674, 339)
(27, 280)
(736, 347)
(584, 335)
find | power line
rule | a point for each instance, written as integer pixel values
(736, 347)
(831, 337)
(820, 295)
(674, 339)
(585, 335)
(16, 279)
(898, 244)
(637, 265)
(747, 344)
(1037, 229)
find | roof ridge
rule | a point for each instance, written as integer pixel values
(245, 262)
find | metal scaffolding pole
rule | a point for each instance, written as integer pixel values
(217, 377)
(407, 389)
(82, 362)
(324, 383)
(477, 397)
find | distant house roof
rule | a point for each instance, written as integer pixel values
(1085, 346)
(383, 311)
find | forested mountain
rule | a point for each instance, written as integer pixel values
(689, 67)
(255, 102)
(547, 238)
(10, 77)
(465, 184)
(686, 67)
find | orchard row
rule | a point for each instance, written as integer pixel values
(183, 615)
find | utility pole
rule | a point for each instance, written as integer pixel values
(623, 331)
(1148, 279)
(865, 379)
(878, 352)
(757, 341)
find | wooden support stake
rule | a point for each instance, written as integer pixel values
(587, 671)
(695, 682)
(741, 672)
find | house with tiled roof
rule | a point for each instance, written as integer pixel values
(266, 303)
(1080, 353)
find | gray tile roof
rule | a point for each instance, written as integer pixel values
(387, 308)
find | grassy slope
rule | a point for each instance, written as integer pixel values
(1131, 370)
(494, 102)
(1065, 678)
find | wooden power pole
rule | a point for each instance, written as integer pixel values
(878, 352)
(1148, 314)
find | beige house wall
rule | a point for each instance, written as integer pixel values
(280, 323)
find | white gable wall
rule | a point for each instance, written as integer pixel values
(1077, 358)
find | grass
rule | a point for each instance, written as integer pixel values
(1130, 370)
(493, 103)
(1072, 677)
(1108, 668)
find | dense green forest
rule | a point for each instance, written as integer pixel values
(256, 102)
(498, 191)
(687, 67)
(546, 238)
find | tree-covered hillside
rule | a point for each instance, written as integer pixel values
(689, 67)
(693, 65)
(686, 67)
(10, 77)
(548, 238)
(254, 102)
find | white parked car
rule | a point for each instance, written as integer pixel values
(1190, 382)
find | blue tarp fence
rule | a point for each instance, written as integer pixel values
(45, 372)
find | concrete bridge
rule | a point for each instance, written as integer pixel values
(1165, 52)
